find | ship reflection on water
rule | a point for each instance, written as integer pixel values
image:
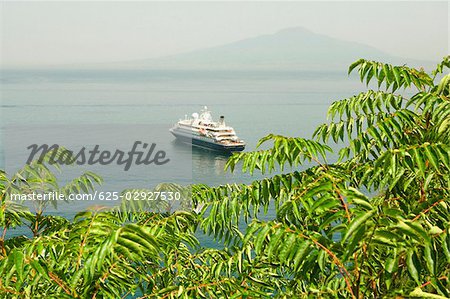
(207, 165)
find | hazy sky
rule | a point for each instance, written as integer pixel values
(37, 34)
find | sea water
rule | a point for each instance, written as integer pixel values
(255, 103)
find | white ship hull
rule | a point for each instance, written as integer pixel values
(202, 131)
(206, 142)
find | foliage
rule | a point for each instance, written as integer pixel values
(374, 224)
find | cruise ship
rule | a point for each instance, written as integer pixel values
(202, 131)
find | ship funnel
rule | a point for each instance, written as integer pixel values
(222, 120)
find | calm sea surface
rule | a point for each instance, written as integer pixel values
(254, 103)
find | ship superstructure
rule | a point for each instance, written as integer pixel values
(200, 130)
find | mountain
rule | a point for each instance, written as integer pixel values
(289, 49)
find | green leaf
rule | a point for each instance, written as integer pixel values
(18, 257)
(357, 223)
(419, 293)
(412, 269)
